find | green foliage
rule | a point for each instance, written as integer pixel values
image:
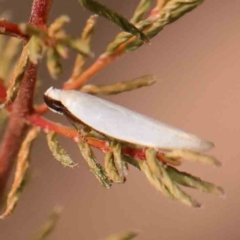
(59, 152)
(112, 16)
(119, 87)
(20, 173)
(94, 166)
(170, 12)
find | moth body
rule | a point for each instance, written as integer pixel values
(121, 123)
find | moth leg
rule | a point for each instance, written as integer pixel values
(84, 133)
(82, 129)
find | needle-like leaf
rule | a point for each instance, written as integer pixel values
(166, 14)
(87, 35)
(17, 77)
(119, 87)
(96, 168)
(158, 170)
(193, 156)
(111, 168)
(141, 9)
(58, 151)
(189, 180)
(20, 173)
(113, 16)
(119, 160)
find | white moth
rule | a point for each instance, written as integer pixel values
(121, 123)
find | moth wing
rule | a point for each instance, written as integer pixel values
(126, 125)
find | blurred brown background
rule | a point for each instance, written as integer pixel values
(197, 62)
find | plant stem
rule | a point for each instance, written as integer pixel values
(40, 12)
(3, 92)
(23, 105)
(11, 29)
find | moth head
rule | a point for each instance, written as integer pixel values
(52, 98)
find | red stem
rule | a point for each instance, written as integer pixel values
(11, 29)
(3, 92)
(40, 12)
(22, 107)
(17, 126)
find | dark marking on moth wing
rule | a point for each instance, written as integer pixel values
(57, 106)
(54, 104)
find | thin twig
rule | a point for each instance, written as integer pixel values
(11, 29)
